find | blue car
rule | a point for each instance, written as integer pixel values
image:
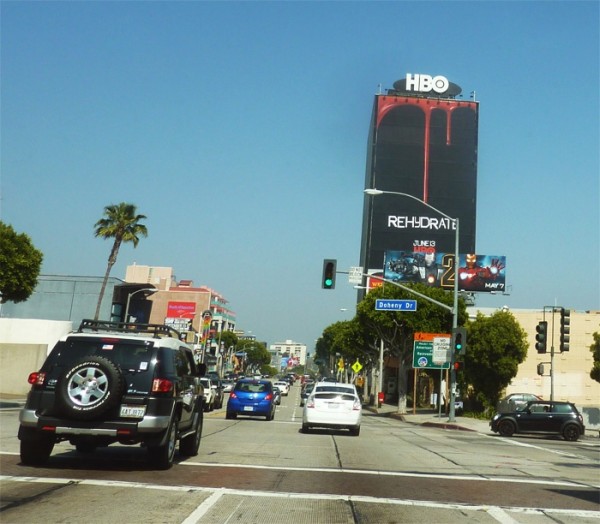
(252, 397)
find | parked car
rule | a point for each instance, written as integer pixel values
(306, 391)
(276, 395)
(217, 387)
(209, 394)
(112, 382)
(332, 405)
(540, 416)
(253, 398)
(515, 401)
(283, 386)
(227, 385)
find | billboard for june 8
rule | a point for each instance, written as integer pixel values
(422, 143)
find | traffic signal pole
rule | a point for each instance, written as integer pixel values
(564, 338)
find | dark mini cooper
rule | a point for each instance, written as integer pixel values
(539, 416)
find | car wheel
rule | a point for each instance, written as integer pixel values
(85, 447)
(571, 432)
(91, 387)
(506, 428)
(162, 456)
(188, 446)
(230, 415)
(305, 428)
(355, 431)
(36, 448)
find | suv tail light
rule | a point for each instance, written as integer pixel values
(232, 395)
(36, 378)
(356, 406)
(162, 385)
(268, 396)
(310, 403)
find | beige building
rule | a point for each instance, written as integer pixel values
(200, 311)
(572, 381)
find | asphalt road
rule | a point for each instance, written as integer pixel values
(253, 471)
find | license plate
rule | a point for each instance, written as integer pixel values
(333, 405)
(248, 408)
(133, 411)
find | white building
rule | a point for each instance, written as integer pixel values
(290, 352)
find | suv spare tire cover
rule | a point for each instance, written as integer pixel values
(89, 388)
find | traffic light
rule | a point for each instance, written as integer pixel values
(540, 369)
(459, 341)
(565, 320)
(328, 280)
(541, 337)
(458, 366)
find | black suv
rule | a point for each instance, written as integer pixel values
(115, 382)
(539, 416)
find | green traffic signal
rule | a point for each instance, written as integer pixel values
(328, 279)
(459, 340)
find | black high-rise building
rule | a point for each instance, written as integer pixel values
(422, 142)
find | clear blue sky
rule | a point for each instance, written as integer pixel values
(240, 130)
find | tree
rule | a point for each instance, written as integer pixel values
(123, 224)
(396, 328)
(496, 345)
(228, 339)
(20, 264)
(256, 353)
(595, 349)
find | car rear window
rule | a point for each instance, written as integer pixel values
(129, 355)
(562, 408)
(337, 396)
(334, 389)
(252, 387)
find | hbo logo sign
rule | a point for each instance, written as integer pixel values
(426, 83)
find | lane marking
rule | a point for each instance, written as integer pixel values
(217, 493)
(204, 508)
(381, 473)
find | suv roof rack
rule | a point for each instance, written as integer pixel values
(156, 330)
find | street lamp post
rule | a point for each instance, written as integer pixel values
(375, 192)
(149, 290)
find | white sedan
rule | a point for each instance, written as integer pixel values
(283, 386)
(333, 405)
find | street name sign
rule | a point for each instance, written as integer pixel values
(389, 304)
(430, 351)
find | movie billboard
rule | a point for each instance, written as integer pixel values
(424, 147)
(476, 273)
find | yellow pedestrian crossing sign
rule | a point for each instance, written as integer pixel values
(357, 366)
(341, 364)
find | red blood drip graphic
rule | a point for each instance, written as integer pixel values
(386, 103)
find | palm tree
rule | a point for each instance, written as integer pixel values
(122, 224)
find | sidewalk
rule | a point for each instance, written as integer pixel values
(431, 417)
